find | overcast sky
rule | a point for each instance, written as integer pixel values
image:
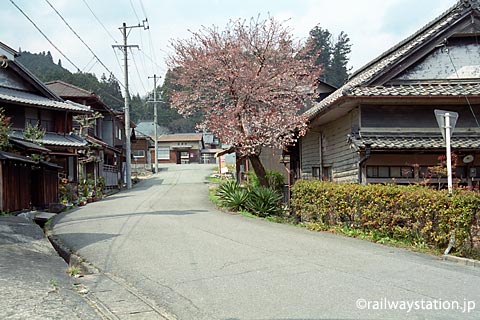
(372, 25)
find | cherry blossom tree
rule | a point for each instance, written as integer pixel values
(249, 83)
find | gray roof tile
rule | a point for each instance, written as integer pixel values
(17, 96)
(418, 141)
(56, 139)
(393, 56)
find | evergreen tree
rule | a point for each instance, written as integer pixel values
(42, 65)
(338, 67)
(331, 56)
(168, 116)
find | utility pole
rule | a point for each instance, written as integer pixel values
(124, 48)
(155, 118)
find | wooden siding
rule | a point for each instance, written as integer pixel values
(310, 153)
(44, 187)
(414, 117)
(270, 158)
(16, 179)
(336, 152)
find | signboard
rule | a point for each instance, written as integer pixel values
(440, 115)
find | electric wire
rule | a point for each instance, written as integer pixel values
(136, 69)
(99, 21)
(44, 35)
(134, 11)
(86, 45)
(458, 77)
(90, 61)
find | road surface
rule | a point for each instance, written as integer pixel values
(166, 240)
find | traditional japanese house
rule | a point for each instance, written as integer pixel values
(27, 101)
(380, 126)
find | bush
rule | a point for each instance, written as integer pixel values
(264, 201)
(413, 214)
(274, 178)
(258, 200)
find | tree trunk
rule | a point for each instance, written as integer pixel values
(259, 170)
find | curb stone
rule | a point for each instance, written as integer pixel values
(94, 277)
(462, 261)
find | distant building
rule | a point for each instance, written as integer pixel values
(180, 148)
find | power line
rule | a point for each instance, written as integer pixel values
(79, 38)
(44, 35)
(134, 11)
(143, 8)
(458, 77)
(136, 69)
(151, 60)
(99, 21)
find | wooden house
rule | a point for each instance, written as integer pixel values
(27, 101)
(380, 126)
(142, 159)
(179, 148)
(105, 150)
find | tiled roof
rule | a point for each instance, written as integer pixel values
(430, 89)
(414, 141)
(180, 137)
(64, 89)
(17, 96)
(56, 139)
(11, 156)
(27, 144)
(386, 60)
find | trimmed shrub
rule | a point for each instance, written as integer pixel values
(414, 214)
(264, 201)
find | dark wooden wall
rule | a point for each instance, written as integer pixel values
(16, 182)
(44, 187)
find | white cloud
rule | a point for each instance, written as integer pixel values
(372, 25)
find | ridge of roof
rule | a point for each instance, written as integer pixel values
(395, 53)
(51, 84)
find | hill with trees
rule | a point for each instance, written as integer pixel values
(108, 89)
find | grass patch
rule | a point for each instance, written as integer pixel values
(73, 271)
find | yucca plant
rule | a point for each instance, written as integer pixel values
(226, 188)
(264, 201)
(232, 196)
(237, 200)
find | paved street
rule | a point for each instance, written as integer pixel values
(33, 279)
(167, 242)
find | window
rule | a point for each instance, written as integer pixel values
(163, 153)
(138, 153)
(316, 172)
(389, 172)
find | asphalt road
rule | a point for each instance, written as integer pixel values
(168, 241)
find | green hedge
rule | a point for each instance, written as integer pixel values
(409, 213)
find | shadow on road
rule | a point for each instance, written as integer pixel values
(101, 216)
(80, 240)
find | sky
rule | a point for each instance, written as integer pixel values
(373, 26)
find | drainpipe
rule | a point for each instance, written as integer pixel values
(362, 161)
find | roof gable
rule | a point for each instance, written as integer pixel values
(446, 62)
(460, 20)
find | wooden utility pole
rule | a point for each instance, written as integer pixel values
(124, 48)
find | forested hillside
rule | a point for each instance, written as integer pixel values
(109, 90)
(42, 65)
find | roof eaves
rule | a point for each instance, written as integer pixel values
(389, 57)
